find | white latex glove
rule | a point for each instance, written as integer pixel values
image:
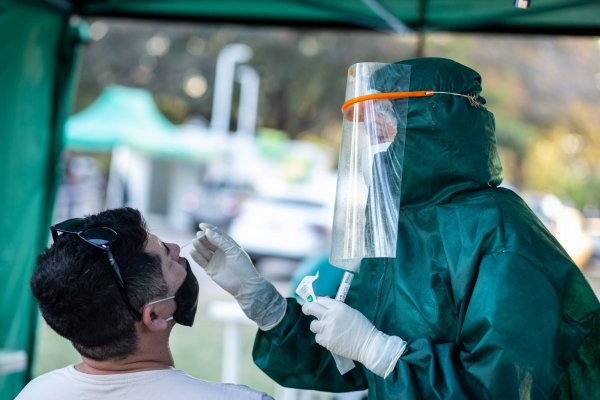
(230, 267)
(345, 331)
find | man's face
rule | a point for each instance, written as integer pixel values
(173, 266)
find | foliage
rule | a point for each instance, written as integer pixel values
(531, 84)
(565, 159)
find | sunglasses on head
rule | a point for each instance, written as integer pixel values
(101, 238)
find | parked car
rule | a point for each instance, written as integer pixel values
(593, 229)
(282, 227)
(566, 223)
(215, 202)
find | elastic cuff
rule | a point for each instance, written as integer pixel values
(396, 357)
(277, 320)
(382, 353)
(263, 304)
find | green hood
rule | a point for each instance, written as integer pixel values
(489, 303)
(450, 144)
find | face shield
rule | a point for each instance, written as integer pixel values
(367, 203)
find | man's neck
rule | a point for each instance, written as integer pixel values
(159, 357)
(94, 367)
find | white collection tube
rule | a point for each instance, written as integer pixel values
(306, 292)
(343, 364)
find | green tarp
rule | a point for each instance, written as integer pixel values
(544, 16)
(37, 57)
(41, 39)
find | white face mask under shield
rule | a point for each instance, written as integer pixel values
(367, 155)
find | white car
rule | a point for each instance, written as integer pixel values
(282, 227)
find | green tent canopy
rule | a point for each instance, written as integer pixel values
(40, 54)
(119, 115)
(570, 17)
(124, 116)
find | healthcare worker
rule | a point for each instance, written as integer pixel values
(475, 300)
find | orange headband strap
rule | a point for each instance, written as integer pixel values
(386, 96)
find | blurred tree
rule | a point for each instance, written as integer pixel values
(529, 83)
(515, 139)
(303, 74)
(565, 160)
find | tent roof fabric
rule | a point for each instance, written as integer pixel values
(124, 116)
(562, 17)
(115, 117)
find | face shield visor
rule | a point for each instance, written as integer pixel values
(367, 203)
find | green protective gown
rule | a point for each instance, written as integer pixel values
(490, 304)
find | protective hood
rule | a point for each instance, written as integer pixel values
(450, 144)
(490, 304)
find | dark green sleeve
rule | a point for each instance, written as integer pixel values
(289, 355)
(515, 340)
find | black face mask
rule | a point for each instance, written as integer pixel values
(186, 299)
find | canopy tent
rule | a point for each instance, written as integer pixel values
(118, 115)
(124, 116)
(37, 75)
(572, 17)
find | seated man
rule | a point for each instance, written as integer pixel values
(116, 291)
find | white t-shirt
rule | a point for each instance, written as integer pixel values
(172, 384)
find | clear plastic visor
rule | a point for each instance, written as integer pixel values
(369, 170)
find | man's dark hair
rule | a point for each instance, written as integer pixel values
(78, 295)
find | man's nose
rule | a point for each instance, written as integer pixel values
(175, 250)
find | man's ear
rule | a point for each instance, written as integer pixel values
(152, 320)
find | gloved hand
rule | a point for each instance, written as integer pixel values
(345, 331)
(231, 268)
